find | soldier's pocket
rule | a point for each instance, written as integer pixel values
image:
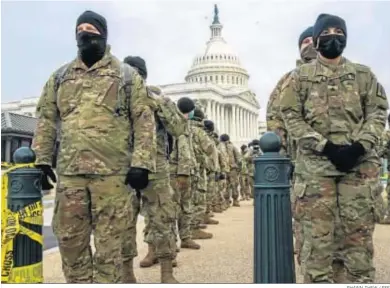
(107, 93)
(167, 207)
(379, 209)
(297, 200)
(68, 97)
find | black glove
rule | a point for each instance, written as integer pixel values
(47, 173)
(331, 151)
(222, 176)
(216, 177)
(349, 156)
(137, 178)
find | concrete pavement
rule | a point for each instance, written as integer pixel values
(227, 258)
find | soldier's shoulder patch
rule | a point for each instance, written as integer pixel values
(380, 91)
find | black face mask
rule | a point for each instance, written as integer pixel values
(91, 46)
(331, 46)
(308, 53)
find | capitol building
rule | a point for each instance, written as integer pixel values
(216, 79)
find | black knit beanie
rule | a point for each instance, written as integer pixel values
(185, 105)
(139, 63)
(98, 21)
(224, 138)
(307, 33)
(209, 125)
(325, 21)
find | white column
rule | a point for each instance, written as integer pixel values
(247, 120)
(214, 111)
(233, 124)
(223, 119)
(217, 122)
(220, 117)
(208, 109)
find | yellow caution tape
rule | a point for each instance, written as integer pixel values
(12, 224)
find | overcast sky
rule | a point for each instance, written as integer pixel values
(37, 37)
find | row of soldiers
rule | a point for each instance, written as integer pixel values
(207, 172)
(125, 150)
(331, 114)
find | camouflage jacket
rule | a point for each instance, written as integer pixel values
(162, 162)
(215, 158)
(203, 149)
(224, 160)
(342, 103)
(249, 157)
(180, 158)
(102, 129)
(275, 120)
(234, 156)
(244, 163)
(384, 148)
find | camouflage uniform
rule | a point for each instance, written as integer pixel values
(225, 170)
(235, 162)
(342, 104)
(157, 197)
(384, 152)
(93, 160)
(180, 167)
(203, 148)
(222, 164)
(244, 181)
(213, 170)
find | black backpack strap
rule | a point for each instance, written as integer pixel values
(59, 78)
(126, 76)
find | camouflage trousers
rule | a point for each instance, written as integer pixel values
(183, 199)
(221, 187)
(85, 205)
(211, 193)
(198, 204)
(337, 221)
(160, 217)
(251, 181)
(233, 184)
(244, 186)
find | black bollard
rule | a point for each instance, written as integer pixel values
(25, 200)
(273, 237)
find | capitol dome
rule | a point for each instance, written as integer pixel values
(218, 63)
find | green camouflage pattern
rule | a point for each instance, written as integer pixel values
(315, 209)
(162, 162)
(85, 205)
(235, 164)
(275, 120)
(335, 211)
(306, 110)
(180, 159)
(97, 121)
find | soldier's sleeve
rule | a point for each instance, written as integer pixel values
(375, 107)
(142, 111)
(291, 108)
(184, 161)
(274, 118)
(46, 131)
(206, 144)
(237, 155)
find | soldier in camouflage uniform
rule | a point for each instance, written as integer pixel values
(383, 212)
(157, 194)
(235, 165)
(274, 118)
(337, 110)
(181, 166)
(218, 206)
(97, 117)
(203, 149)
(276, 124)
(212, 175)
(244, 181)
(252, 154)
